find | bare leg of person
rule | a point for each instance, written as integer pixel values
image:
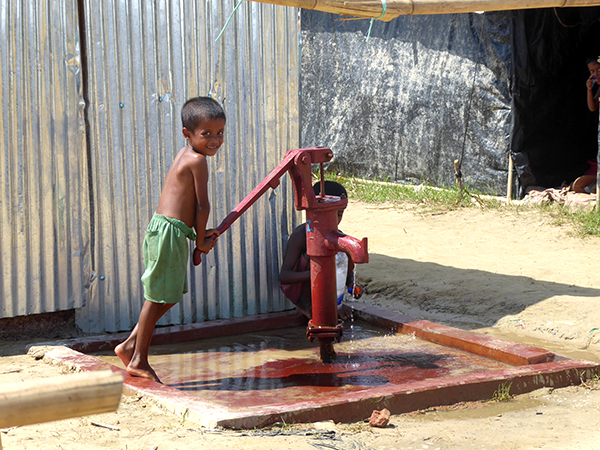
(304, 305)
(134, 350)
(126, 348)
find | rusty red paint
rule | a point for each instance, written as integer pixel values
(499, 349)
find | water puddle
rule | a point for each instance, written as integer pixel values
(478, 410)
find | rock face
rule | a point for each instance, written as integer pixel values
(380, 418)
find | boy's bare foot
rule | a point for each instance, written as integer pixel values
(145, 372)
(344, 312)
(124, 352)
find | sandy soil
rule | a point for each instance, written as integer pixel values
(504, 273)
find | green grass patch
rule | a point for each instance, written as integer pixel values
(590, 383)
(429, 197)
(585, 222)
(503, 393)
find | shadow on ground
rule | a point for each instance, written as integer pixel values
(479, 294)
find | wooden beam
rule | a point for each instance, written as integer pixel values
(57, 398)
(375, 9)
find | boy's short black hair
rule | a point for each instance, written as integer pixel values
(331, 188)
(591, 59)
(200, 109)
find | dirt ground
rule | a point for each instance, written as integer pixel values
(512, 274)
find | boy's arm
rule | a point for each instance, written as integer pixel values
(296, 246)
(592, 100)
(200, 175)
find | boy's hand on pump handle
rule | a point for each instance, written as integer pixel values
(208, 243)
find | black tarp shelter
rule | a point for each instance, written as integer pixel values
(405, 100)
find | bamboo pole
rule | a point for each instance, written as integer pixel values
(509, 182)
(458, 175)
(57, 398)
(368, 9)
(597, 178)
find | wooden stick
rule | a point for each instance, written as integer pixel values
(458, 175)
(104, 425)
(57, 398)
(509, 182)
(598, 180)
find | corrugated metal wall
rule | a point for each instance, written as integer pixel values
(44, 207)
(144, 59)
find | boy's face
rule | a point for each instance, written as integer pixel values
(207, 137)
(340, 214)
(594, 71)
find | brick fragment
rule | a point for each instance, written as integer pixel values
(380, 418)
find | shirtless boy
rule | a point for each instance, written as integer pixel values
(183, 204)
(294, 276)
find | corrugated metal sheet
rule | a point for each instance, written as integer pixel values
(145, 59)
(87, 140)
(44, 205)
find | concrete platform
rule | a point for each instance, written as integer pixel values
(254, 371)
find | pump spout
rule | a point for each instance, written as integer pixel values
(355, 249)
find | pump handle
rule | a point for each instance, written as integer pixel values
(299, 179)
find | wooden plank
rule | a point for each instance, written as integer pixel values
(375, 9)
(49, 399)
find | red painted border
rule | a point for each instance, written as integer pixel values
(534, 368)
(498, 349)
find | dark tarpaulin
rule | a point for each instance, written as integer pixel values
(421, 92)
(554, 134)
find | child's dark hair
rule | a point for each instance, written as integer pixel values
(331, 188)
(200, 109)
(591, 59)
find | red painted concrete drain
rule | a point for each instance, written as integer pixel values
(262, 369)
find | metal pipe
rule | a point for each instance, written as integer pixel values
(324, 325)
(355, 249)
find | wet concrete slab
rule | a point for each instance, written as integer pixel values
(250, 372)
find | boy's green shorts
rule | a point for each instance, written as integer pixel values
(166, 253)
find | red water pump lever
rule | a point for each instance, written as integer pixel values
(300, 176)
